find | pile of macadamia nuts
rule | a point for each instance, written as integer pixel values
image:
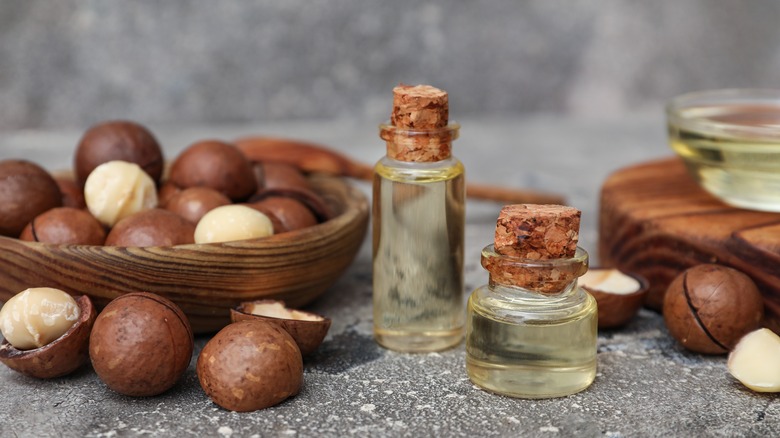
(141, 344)
(121, 195)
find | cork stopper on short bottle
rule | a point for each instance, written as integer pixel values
(540, 242)
(420, 117)
(537, 232)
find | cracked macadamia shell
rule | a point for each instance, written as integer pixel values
(141, 344)
(250, 365)
(65, 226)
(709, 307)
(59, 357)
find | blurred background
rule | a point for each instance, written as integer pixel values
(70, 63)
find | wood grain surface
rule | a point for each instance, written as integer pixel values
(656, 221)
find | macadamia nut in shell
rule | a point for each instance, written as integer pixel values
(118, 140)
(26, 190)
(215, 164)
(117, 189)
(141, 344)
(709, 307)
(59, 357)
(65, 226)
(250, 365)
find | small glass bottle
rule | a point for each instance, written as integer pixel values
(418, 228)
(535, 340)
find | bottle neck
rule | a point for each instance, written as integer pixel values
(424, 145)
(544, 277)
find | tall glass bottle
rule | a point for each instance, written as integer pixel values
(535, 340)
(418, 227)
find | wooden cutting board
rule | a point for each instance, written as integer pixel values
(655, 220)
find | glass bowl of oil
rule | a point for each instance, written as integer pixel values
(730, 141)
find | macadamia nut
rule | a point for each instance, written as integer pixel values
(755, 361)
(117, 189)
(232, 222)
(37, 316)
(610, 280)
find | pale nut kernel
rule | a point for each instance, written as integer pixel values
(117, 189)
(755, 361)
(610, 280)
(37, 316)
(232, 222)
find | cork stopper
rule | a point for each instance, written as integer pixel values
(537, 232)
(420, 107)
(419, 124)
(540, 245)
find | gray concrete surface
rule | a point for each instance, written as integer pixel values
(72, 62)
(647, 385)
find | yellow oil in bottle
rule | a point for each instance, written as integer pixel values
(522, 345)
(732, 150)
(418, 229)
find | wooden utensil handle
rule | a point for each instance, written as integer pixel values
(315, 158)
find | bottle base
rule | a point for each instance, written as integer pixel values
(531, 381)
(418, 342)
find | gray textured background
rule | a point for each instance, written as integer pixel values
(70, 63)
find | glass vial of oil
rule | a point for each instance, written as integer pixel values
(531, 331)
(418, 226)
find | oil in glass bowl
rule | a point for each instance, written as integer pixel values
(730, 141)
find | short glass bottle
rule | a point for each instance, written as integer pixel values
(531, 331)
(418, 240)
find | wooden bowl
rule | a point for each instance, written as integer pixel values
(206, 280)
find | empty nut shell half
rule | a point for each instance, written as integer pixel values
(619, 295)
(307, 329)
(59, 357)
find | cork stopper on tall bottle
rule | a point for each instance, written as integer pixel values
(418, 129)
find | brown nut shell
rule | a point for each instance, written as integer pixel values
(141, 344)
(307, 329)
(290, 213)
(617, 309)
(26, 190)
(65, 226)
(250, 365)
(59, 357)
(118, 140)
(166, 191)
(709, 307)
(153, 227)
(272, 175)
(72, 195)
(322, 211)
(194, 202)
(215, 164)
